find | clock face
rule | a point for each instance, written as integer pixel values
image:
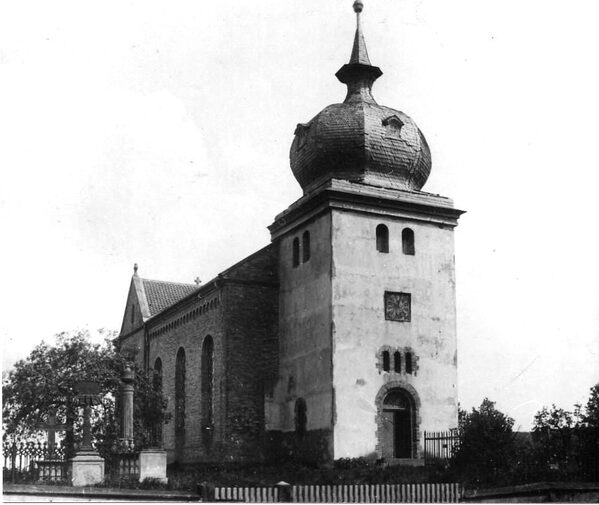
(397, 306)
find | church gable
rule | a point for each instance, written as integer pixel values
(136, 308)
(148, 298)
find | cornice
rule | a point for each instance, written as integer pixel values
(360, 198)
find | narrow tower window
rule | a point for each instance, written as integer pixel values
(386, 361)
(407, 241)
(382, 238)
(132, 313)
(408, 362)
(397, 362)
(306, 246)
(296, 251)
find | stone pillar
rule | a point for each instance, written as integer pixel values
(86, 444)
(152, 465)
(127, 406)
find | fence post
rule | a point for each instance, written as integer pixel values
(284, 489)
(206, 491)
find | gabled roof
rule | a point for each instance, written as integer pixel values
(148, 298)
(162, 294)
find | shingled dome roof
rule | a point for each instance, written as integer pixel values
(359, 140)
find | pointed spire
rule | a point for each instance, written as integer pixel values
(359, 74)
(359, 53)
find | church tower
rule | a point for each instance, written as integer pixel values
(367, 311)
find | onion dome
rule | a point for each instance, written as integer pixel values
(359, 140)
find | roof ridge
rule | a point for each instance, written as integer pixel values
(169, 282)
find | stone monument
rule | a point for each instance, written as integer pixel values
(51, 467)
(152, 461)
(51, 427)
(87, 467)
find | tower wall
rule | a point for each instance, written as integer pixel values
(361, 275)
(305, 370)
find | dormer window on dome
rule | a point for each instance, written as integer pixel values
(301, 133)
(393, 127)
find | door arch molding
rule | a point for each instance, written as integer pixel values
(408, 389)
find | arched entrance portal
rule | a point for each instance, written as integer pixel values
(397, 425)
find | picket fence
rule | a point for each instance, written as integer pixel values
(246, 494)
(373, 493)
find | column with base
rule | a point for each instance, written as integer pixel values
(87, 467)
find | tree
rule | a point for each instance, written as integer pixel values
(555, 438)
(590, 417)
(567, 443)
(46, 380)
(487, 445)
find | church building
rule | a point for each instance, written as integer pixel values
(336, 340)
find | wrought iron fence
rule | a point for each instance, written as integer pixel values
(121, 459)
(33, 461)
(440, 445)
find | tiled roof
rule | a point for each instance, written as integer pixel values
(161, 294)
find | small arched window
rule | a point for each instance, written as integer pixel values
(132, 313)
(397, 362)
(386, 366)
(407, 241)
(301, 416)
(296, 251)
(382, 238)
(305, 246)
(408, 362)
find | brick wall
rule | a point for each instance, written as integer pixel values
(188, 327)
(239, 311)
(252, 347)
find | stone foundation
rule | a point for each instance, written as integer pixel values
(152, 465)
(86, 469)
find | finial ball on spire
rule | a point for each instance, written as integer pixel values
(135, 268)
(358, 6)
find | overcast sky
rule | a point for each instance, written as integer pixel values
(159, 133)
